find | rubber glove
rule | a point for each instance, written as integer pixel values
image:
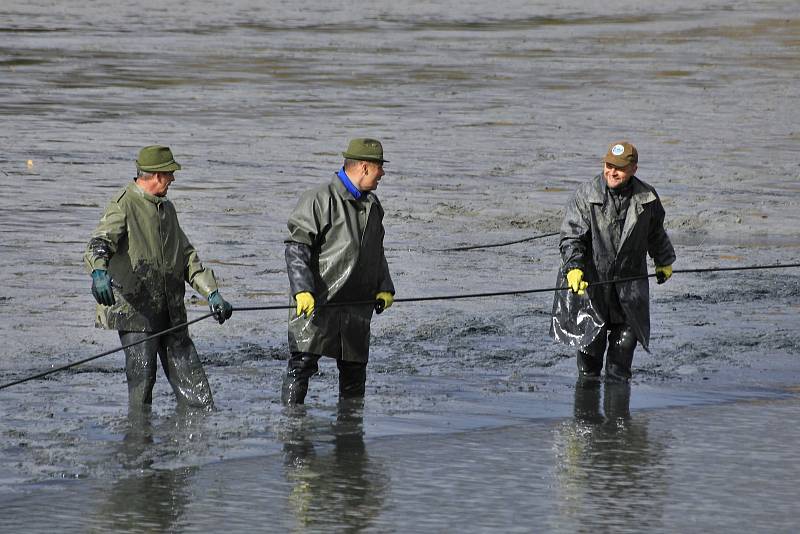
(222, 308)
(305, 303)
(576, 282)
(101, 287)
(663, 272)
(383, 300)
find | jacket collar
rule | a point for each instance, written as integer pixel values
(342, 191)
(134, 188)
(640, 194)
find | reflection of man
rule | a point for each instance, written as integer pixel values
(334, 254)
(339, 488)
(607, 462)
(610, 226)
(140, 261)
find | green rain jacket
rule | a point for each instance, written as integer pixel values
(345, 238)
(141, 244)
(586, 244)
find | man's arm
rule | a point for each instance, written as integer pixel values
(105, 238)
(195, 273)
(575, 235)
(659, 245)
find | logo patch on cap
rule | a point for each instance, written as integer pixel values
(617, 150)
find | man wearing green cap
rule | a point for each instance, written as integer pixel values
(140, 261)
(334, 255)
(611, 224)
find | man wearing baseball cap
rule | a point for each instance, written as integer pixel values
(334, 255)
(140, 261)
(612, 223)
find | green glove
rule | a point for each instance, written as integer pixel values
(221, 308)
(383, 300)
(305, 303)
(576, 282)
(663, 272)
(101, 287)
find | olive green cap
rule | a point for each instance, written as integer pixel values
(621, 154)
(365, 149)
(157, 158)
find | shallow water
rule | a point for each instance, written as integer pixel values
(490, 116)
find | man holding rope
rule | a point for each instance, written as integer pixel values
(140, 261)
(611, 224)
(334, 255)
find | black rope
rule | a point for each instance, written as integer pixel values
(106, 353)
(410, 299)
(473, 247)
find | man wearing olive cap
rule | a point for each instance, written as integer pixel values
(611, 224)
(140, 261)
(334, 255)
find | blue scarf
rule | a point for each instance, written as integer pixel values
(348, 184)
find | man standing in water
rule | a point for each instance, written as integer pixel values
(334, 254)
(140, 260)
(611, 223)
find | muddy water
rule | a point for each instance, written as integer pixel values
(490, 116)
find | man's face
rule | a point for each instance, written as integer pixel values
(618, 176)
(161, 183)
(368, 176)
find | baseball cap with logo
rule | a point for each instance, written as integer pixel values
(621, 154)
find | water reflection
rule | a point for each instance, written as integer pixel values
(610, 472)
(151, 502)
(338, 486)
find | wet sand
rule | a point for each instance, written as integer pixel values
(489, 120)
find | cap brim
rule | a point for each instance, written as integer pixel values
(617, 162)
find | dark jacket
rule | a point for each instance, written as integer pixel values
(586, 244)
(335, 251)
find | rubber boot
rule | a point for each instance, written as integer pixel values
(589, 366)
(352, 379)
(299, 369)
(621, 344)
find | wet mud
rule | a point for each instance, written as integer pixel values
(490, 119)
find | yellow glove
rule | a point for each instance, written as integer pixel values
(576, 282)
(305, 303)
(383, 300)
(663, 272)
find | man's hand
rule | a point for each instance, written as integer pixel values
(383, 300)
(663, 272)
(101, 287)
(221, 308)
(576, 282)
(305, 303)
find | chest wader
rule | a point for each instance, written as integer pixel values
(180, 363)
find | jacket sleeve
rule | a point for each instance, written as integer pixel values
(385, 278)
(658, 244)
(298, 267)
(576, 240)
(106, 237)
(196, 274)
(306, 227)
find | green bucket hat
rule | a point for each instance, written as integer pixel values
(157, 158)
(365, 149)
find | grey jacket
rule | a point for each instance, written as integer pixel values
(586, 244)
(335, 251)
